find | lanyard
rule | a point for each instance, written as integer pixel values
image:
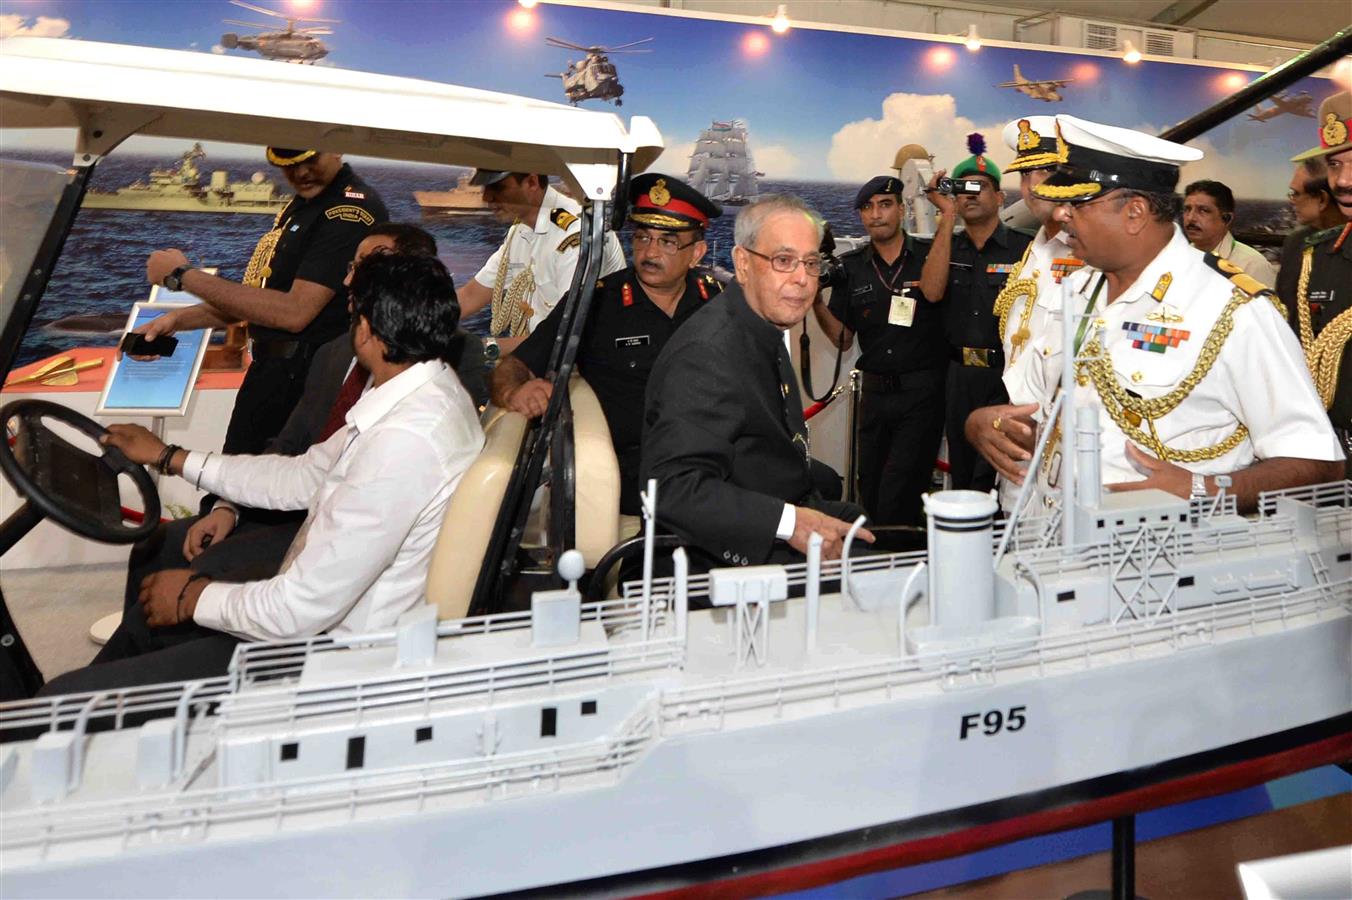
(1088, 312)
(901, 265)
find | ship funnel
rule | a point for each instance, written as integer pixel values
(961, 577)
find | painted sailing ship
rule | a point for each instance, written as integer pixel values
(721, 166)
(178, 188)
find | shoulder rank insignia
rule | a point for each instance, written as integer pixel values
(1154, 338)
(349, 213)
(627, 294)
(1162, 287)
(570, 242)
(1238, 277)
(562, 218)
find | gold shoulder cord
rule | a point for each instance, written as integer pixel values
(1323, 354)
(257, 272)
(511, 307)
(1015, 288)
(1128, 411)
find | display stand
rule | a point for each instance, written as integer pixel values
(1123, 864)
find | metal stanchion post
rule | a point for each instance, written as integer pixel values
(852, 458)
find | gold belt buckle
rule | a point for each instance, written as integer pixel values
(976, 356)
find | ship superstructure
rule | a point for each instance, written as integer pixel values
(179, 188)
(721, 165)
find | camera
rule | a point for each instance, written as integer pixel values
(950, 186)
(832, 271)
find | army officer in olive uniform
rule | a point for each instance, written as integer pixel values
(292, 294)
(904, 360)
(633, 313)
(1323, 301)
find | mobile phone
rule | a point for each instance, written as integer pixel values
(135, 344)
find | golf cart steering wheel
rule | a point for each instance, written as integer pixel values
(63, 482)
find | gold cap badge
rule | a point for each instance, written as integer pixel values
(658, 193)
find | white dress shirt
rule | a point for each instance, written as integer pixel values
(375, 491)
(1259, 377)
(550, 249)
(1247, 258)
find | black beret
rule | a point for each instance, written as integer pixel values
(881, 184)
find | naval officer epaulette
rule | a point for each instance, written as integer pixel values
(562, 218)
(1244, 281)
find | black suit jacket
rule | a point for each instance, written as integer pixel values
(724, 433)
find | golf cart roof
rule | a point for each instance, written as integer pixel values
(111, 91)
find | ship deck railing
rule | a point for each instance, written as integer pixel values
(256, 663)
(293, 703)
(708, 705)
(1330, 497)
(116, 709)
(190, 815)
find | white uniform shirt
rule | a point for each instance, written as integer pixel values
(375, 491)
(1247, 258)
(550, 249)
(1259, 377)
(1049, 262)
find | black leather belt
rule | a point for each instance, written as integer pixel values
(978, 357)
(264, 349)
(886, 384)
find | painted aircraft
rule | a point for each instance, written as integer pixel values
(292, 44)
(1039, 90)
(1301, 104)
(593, 77)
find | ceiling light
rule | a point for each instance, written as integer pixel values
(1131, 54)
(780, 23)
(528, 4)
(973, 39)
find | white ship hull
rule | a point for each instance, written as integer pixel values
(704, 772)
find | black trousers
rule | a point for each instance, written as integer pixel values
(269, 392)
(899, 435)
(970, 388)
(137, 654)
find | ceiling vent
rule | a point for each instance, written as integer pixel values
(1100, 36)
(1159, 43)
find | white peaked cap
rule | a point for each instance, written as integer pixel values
(1124, 142)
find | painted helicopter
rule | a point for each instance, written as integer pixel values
(1047, 90)
(593, 77)
(1301, 104)
(291, 44)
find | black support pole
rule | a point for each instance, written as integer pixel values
(1124, 858)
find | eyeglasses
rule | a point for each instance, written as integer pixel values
(787, 262)
(1076, 207)
(667, 243)
(1292, 194)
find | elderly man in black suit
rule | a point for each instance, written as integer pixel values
(723, 424)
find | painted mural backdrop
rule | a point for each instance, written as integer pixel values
(823, 111)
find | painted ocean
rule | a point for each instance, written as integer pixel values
(102, 269)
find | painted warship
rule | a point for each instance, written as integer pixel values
(462, 200)
(178, 188)
(721, 165)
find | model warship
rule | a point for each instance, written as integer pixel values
(179, 188)
(721, 166)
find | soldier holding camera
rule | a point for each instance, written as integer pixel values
(903, 361)
(968, 270)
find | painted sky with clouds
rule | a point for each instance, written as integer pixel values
(820, 105)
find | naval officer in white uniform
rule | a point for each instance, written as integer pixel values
(1188, 365)
(533, 268)
(1033, 288)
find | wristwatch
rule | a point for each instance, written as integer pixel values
(1198, 486)
(174, 280)
(491, 350)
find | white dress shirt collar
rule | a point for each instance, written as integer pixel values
(377, 402)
